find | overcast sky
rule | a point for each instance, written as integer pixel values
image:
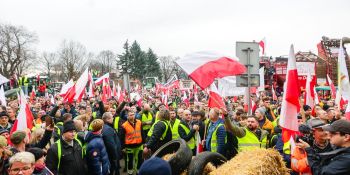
(179, 27)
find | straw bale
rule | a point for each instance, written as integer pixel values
(168, 156)
(254, 162)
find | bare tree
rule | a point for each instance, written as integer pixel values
(48, 61)
(167, 67)
(16, 49)
(106, 59)
(73, 57)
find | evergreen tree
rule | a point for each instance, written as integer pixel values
(125, 60)
(152, 64)
(138, 57)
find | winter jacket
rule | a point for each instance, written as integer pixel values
(112, 143)
(72, 161)
(7, 127)
(333, 162)
(183, 133)
(96, 154)
(155, 141)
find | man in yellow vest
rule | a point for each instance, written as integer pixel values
(216, 134)
(254, 137)
(186, 131)
(147, 118)
(132, 142)
(23, 83)
(174, 123)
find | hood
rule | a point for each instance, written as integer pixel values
(90, 136)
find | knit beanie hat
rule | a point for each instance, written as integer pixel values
(68, 126)
(17, 137)
(155, 166)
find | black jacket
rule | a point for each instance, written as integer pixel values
(72, 161)
(183, 133)
(154, 142)
(112, 142)
(334, 162)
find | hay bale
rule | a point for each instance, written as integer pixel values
(168, 156)
(209, 168)
(254, 162)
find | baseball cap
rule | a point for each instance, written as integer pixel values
(338, 126)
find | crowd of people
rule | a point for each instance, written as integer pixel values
(93, 136)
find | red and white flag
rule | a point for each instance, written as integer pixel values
(24, 121)
(114, 93)
(104, 91)
(290, 104)
(262, 44)
(32, 95)
(215, 100)
(331, 84)
(66, 88)
(309, 95)
(103, 77)
(121, 96)
(199, 146)
(274, 96)
(185, 99)
(204, 67)
(119, 91)
(78, 90)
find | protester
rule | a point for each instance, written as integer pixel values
(66, 156)
(215, 138)
(22, 162)
(155, 166)
(96, 154)
(333, 162)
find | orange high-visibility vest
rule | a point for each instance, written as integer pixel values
(132, 135)
(299, 161)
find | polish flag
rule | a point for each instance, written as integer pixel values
(199, 146)
(195, 92)
(66, 88)
(91, 88)
(262, 44)
(274, 96)
(24, 121)
(119, 91)
(185, 99)
(81, 84)
(104, 91)
(2, 96)
(32, 95)
(204, 67)
(121, 96)
(309, 96)
(114, 93)
(215, 100)
(103, 77)
(331, 84)
(78, 89)
(290, 104)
